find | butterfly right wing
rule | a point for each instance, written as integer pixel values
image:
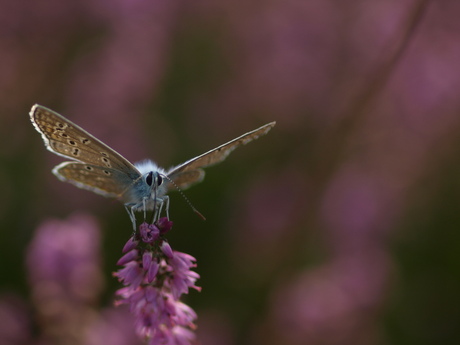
(190, 172)
(66, 139)
(104, 181)
(187, 178)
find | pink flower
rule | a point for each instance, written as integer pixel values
(154, 278)
(149, 232)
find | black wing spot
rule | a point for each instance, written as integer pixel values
(104, 154)
(106, 161)
(60, 125)
(76, 152)
(84, 140)
(90, 168)
(63, 135)
(71, 142)
(108, 173)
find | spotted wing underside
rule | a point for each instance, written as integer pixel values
(66, 139)
(105, 181)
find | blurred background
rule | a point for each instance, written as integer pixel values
(341, 226)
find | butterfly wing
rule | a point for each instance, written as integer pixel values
(190, 172)
(187, 178)
(66, 139)
(105, 181)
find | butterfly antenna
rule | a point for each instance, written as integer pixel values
(185, 198)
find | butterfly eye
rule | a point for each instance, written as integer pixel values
(149, 178)
(159, 180)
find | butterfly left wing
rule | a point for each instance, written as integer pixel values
(65, 138)
(102, 180)
(190, 172)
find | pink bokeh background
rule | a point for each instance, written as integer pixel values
(339, 227)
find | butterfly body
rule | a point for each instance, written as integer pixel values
(149, 191)
(100, 169)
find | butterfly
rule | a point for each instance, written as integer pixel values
(142, 186)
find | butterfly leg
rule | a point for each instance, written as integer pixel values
(130, 209)
(158, 208)
(144, 204)
(166, 201)
(157, 212)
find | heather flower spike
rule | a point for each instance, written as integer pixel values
(154, 278)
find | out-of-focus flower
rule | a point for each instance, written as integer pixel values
(113, 326)
(65, 254)
(324, 306)
(154, 278)
(65, 277)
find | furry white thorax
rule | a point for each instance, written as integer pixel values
(144, 196)
(147, 166)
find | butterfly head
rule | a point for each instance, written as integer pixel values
(153, 179)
